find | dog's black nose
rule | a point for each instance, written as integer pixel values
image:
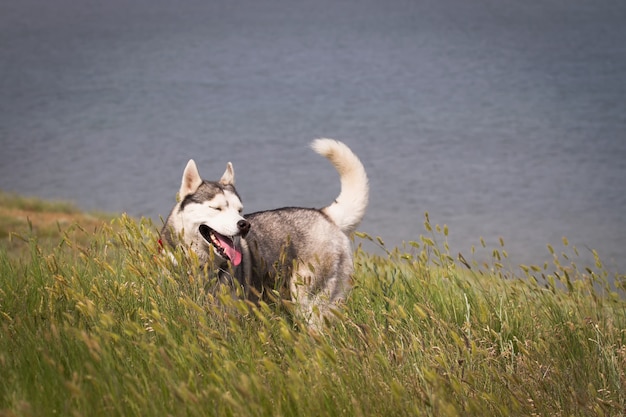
(244, 227)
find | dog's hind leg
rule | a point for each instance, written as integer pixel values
(317, 293)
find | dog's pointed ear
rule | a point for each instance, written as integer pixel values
(229, 175)
(191, 180)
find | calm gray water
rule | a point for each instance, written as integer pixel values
(501, 118)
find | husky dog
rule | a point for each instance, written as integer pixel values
(207, 217)
(303, 253)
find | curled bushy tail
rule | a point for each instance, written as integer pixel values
(349, 208)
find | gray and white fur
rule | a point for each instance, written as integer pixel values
(303, 253)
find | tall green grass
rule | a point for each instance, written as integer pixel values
(111, 327)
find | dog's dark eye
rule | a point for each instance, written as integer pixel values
(216, 208)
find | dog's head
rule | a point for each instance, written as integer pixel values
(209, 215)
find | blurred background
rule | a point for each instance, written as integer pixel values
(500, 118)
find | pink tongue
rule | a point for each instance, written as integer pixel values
(233, 253)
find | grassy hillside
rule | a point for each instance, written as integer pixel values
(22, 217)
(93, 321)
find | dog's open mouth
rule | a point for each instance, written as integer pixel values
(223, 245)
